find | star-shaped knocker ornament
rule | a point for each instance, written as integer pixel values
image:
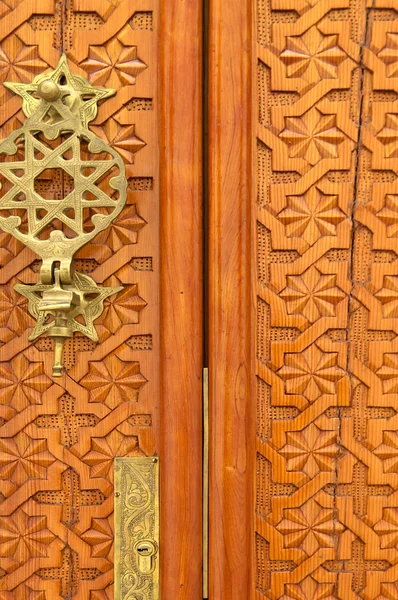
(59, 105)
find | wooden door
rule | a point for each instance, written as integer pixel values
(303, 299)
(138, 391)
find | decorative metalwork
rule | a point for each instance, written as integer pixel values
(59, 105)
(137, 528)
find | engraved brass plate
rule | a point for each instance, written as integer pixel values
(137, 528)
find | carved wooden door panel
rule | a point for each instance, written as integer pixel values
(305, 421)
(137, 391)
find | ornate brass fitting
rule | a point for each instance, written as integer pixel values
(58, 106)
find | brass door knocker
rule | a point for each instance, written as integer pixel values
(58, 106)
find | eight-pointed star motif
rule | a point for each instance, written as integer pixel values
(123, 231)
(22, 383)
(113, 381)
(114, 64)
(388, 452)
(19, 62)
(388, 136)
(124, 307)
(121, 137)
(388, 296)
(313, 136)
(311, 215)
(23, 537)
(388, 373)
(389, 54)
(99, 537)
(23, 458)
(103, 451)
(309, 589)
(310, 450)
(389, 215)
(387, 528)
(13, 310)
(312, 294)
(313, 56)
(309, 527)
(311, 373)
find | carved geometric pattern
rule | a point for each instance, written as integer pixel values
(310, 450)
(113, 65)
(311, 216)
(312, 294)
(313, 136)
(23, 537)
(310, 526)
(327, 300)
(59, 439)
(312, 56)
(311, 373)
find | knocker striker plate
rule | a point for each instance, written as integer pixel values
(55, 138)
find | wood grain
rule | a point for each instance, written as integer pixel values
(326, 281)
(181, 299)
(58, 440)
(230, 307)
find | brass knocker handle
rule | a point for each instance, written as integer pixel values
(58, 106)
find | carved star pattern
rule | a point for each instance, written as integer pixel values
(106, 594)
(389, 54)
(121, 137)
(19, 62)
(313, 136)
(113, 381)
(309, 589)
(389, 591)
(122, 308)
(101, 456)
(387, 528)
(113, 65)
(23, 458)
(311, 216)
(13, 311)
(389, 215)
(23, 537)
(22, 382)
(23, 592)
(388, 373)
(313, 56)
(388, 296)
(123, 231)
(388, 136)
(388, 452)
(309, 527)
(312, 294)
(310, 450)
(311, 373)
(100, 537)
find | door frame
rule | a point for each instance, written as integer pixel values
(181, 298)
(231, 304)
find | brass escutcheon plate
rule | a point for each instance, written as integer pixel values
(137, 528)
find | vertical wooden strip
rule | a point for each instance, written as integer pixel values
(181, 299)
(230, 371)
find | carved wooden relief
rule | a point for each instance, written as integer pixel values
(327, 300)
(58, 439)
